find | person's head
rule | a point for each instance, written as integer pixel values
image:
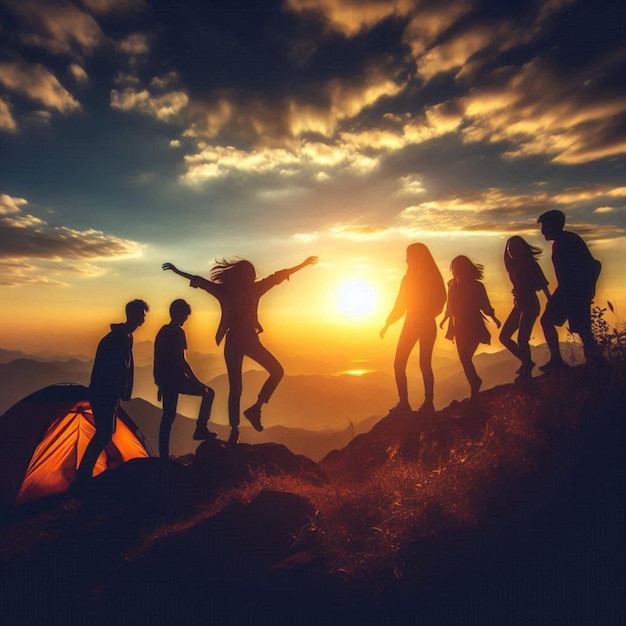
(418, 256)
(518, 250)
(233, 273)
(136, 313)
(420, 260)
(179, 311)
(552, 223)
(463, 269)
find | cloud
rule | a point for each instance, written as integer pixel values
(38, 84)
(542, 111)
(259, 119)
(105, 7)
(350, 17)
(477, 37)
(18, 273)
(166, 107)
(7, 121)
(78, 73)
(58, 27)
(10, 205)
(135, 45)
(431, 20)
(27, 242)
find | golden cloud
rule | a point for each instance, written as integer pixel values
(78, 73)
(25, 237)
(7, 121)
(10, 205)
(431, 20)
(545, 113)
(136, 44)
(277, 121)
(349, 17)
(37, 83)
(104, 7)
(166, 107)
(58, 27)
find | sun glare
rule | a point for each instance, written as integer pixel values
(356, 298)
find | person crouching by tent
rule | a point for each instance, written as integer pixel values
(173, 375)
(111, 381)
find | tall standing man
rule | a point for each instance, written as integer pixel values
(111, 381)
(173, 375)
(576, 274)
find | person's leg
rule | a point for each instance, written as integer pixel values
(234, 360)
(104, 422)
(511, 324)
(259, 353)
(580, 322)
(466, 351)
(427, 343)
(552, 317)
(170, 402)
(194, 387)
(527, 321)
(406, 342)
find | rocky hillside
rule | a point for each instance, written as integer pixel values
(505, 510)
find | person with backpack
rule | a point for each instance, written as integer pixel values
(576, 273)
(420, 299)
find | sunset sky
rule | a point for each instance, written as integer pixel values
(136, 132)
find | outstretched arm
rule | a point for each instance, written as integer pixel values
(173, 268)
(312, 260)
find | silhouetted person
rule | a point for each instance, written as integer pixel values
(235, 286)
(576, 274)
(520, 260)
(111, 381)
(173, 376)
(468, 304)
(420, 299)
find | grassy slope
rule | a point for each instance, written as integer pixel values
(508, 510)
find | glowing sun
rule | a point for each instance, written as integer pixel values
(356, 298)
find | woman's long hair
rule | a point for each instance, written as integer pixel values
(422, 266)
(518, 251)
(463, 269)
(233, 273)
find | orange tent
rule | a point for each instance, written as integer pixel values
(43, 438)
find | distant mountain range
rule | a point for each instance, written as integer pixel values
(313, 444)
(335, 408)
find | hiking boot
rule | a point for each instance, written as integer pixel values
(402, 407)
(233, 439)
(553, 365)
(253, 415)
(428, 408)
(202, 433)
(525, 372)
(475, 388)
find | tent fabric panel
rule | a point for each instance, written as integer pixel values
(127, 443)
(21, 428)
(52, 468)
